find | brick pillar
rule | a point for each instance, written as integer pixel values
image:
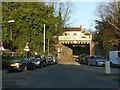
(92, 48)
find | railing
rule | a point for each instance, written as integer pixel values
(73, 38)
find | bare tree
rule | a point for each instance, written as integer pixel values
(109, 25)
(110, 12)
(65, 8)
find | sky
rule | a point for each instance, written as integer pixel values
(84, 13)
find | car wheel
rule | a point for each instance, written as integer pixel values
(45, 65)
(48, 64)
(111, 64)
(25, 69)
(88, 63)
(97, 64)
(41, 65)
(34, 67)
(38, 66)
(9, 70)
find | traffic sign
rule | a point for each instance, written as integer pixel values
(26, 47)
(2, 48)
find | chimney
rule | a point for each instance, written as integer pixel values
(80, 27)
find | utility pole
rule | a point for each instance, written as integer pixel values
(11, 38)
(48, 46)
(44, 40)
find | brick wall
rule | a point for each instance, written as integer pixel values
(66, 53)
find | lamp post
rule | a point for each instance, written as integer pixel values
(48, 47)
(44, 40)
(11, 21)
(48, 39)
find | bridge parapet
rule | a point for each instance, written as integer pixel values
(74, 40)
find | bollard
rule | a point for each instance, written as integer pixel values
(107, 67)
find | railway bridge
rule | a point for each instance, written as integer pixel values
(74, 42)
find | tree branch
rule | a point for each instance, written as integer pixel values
(113, 25)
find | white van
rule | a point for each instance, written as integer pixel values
(114, 57)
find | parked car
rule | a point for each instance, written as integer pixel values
(77, 59)
(49, 60)
(21, 65)
(83, 57)
(55, 60)
(38, 60)
(96, 60)
(86, 59)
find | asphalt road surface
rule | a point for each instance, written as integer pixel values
(60, 76)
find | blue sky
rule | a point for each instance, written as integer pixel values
(84, 13)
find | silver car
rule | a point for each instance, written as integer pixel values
(96, 60)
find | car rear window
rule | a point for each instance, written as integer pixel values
(14, 61)
(100, 57)
(37, 56)
(92, 57)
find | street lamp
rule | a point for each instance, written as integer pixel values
(11, 21)
(44, 40)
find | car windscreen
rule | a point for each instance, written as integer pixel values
(35, 60)
(48, 58)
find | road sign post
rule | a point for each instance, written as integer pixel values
(26, 49)
(1, 47)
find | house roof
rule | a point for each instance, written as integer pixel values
(73, 28)
(87, 32)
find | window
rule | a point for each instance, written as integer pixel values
(65, 34)
(83, 37)
(74, 34)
